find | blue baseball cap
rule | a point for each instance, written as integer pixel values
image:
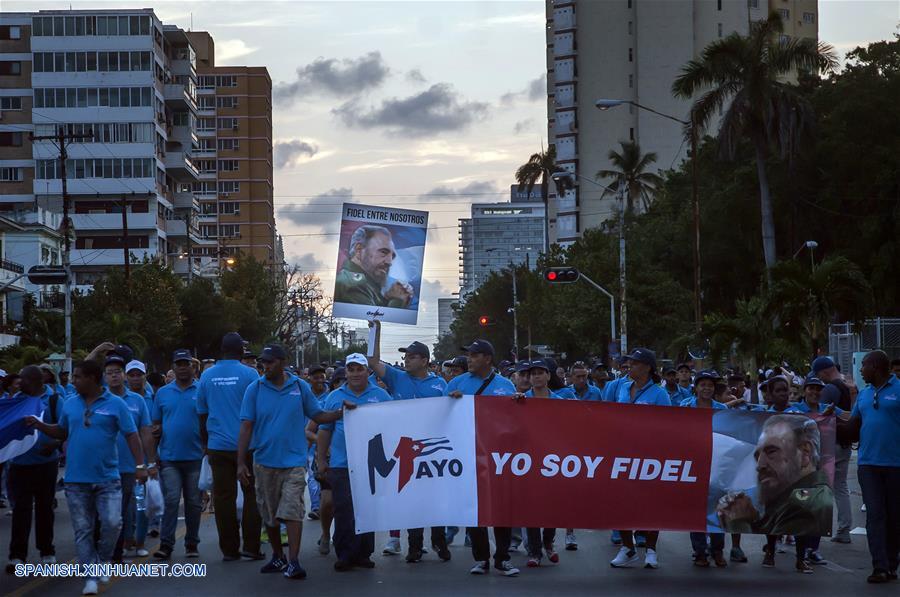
(480, 347)
(643, 355)
(813, 381)
(182, 354)
(272, 352)
(821, 364)
(232, 343)
(523, 366)
(539, 364)
(708, 374)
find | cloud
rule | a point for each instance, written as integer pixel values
(291, 153)
(321, 211)
(535, 90)
(523, 125)
(415, 76)
(230, 49)
(308, 262)
(531, 19)
(434, 288)
(438, 109)
(475, 191)
(341, 78)
(391, 163)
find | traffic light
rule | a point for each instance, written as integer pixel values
(484, 321)
(561, 275)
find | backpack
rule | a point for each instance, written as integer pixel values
(54, 402)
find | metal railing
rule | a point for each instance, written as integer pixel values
(12, 266)
(879, 333)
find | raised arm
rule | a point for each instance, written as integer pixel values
(375, 360)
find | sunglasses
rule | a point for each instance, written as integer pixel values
(86, 421)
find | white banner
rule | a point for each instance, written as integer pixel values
(412, 463)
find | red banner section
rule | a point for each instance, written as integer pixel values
(571, 464)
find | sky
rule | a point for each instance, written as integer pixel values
(425, 105)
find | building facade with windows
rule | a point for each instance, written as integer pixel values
(631, 50)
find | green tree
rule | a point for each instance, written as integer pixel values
(204, 323)
(538, 170)
(750, 72)
(250, 296)
(630, 171)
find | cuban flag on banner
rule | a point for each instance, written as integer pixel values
(15, 437)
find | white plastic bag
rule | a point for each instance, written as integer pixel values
(206, 481)
(240, 501)
(153, 499)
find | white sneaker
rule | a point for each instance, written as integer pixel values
(48, 559)
(142, 553)
(104, 580)
(392, 547)
(480, 568)
(626, 557)
(131, 552)
(507, 569)
(90, 587)
(571, 542)
(650, 560)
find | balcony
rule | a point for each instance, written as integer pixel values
(185, 200)
(55, 301)
(179, 166)
(177, 96)
(184, 134)
(11, 266)
(105, 257)
(113, 221)
(178, 228)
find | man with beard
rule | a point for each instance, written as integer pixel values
(365, 273)
(792, 490)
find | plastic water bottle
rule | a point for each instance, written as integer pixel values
(139, 494)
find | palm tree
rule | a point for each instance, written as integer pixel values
(750, 71)
(538, 170)
(630, 171)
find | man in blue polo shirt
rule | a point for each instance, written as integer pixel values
(180, 455)
(483, 380)
(32, 479)
(612, 387)
(274, 413)
(581, 386)
(878, 409)
(352, 550)
(91, 421)
(219, 397)
(415, 381)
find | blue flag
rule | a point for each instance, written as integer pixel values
(15, 437)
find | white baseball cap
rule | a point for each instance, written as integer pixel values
(132, 365)
(357, 358)
(3, 373)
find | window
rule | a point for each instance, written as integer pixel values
(809, 18)
(227, 101)
(629, 3)
(228, 165)
(11, 32)
(230, 230)
(229, 186)
(10, 103)
(784, 13)
(206, 102)
(226, 81)
(206, 124)
(753, 3)
(230, 208)
(720, 29)
(631, 134)
(630, 55)
(205, 166)
(208, 230)
(10, 67)
(10, 139)
(227, 123)
(10, 174)
(228, 144)
(630, 28)
(631, 81)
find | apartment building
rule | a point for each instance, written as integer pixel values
(631, 50)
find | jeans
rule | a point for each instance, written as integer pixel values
(89, 502)
(481, 546)
(177, 478)
(128, 510)
(315, 492)
(881, 488)
(224, 495)
(143, 525)
(716, 543)
(538, 540)
(32, 485)
(348, 546)
(842, 491)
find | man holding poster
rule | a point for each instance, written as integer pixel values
(380, 263)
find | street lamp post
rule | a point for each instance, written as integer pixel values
(623, 305)
(606, 104)
(811, 245)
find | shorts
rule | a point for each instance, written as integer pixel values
(279, 493)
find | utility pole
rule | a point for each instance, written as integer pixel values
(623, 315)
(127, 254)
(515, 310)
(695, 200)
(61, 139)
(190, 249)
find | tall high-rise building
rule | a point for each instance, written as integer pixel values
(631, 50)
(129, 83)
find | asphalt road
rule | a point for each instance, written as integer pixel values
(584, 572)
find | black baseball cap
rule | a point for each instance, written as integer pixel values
(681, 366)
(232, 343)
(813, 381)
(539, 364)
(114, 359)
(272, 352)
(182, 354)
(708, 374)
(339, 374)
(461, 362)
(643, 355)
(124, 351)
(316, 369)
(523, 366)
(480, 347)
(417, 348)
(668, 370)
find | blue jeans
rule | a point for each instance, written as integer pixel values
(716, 543)
(177, 478)
(315, 492)
(880, 487)
(90, 502)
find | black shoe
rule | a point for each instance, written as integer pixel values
(163, 553)
(878, 577)
(248, 555)
(276, 564)
(191, 551)
(343, 566)
(443, 553)
(153, 533)
(231, 558)
(364, 563)
(414, 555)
(313, 515)
(295, 571)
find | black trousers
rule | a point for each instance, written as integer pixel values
(224, 496)
(881, 492)
(32, 486)
(348, 546)
(481, 545)
(417, 538)
(538, 539)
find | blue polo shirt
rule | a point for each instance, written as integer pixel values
(692, 403)
(279, 417)
(468, 383)
(338, 448)
(611, 389)
(91, 453)
(177, 409)
(69, 389)
(591, 393)
(553, 395)
(879, 438)
(680, 394)
(34, 456)
(566, 393)
(649, 394)
(141, 415)
(219, 396)
(402, 386)
(803, 407)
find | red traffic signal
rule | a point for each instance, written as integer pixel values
(484, 321)
(561, 275)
